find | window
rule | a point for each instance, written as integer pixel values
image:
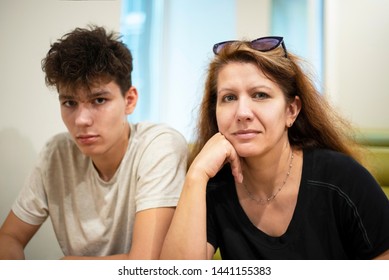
(172, 41)
(300, 22)
(141, 26)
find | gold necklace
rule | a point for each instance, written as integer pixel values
(273, 196)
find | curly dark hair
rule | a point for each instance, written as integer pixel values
(85, 56)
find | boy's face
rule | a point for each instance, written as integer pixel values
(97, 117)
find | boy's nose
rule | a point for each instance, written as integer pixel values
(83, 116)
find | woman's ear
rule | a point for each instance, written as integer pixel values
(131, 98)
(293, 111)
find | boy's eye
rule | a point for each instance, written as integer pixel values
(100, 100)
(69, 103)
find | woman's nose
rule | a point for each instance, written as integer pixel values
(244, 111)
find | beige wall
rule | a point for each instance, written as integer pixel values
(253, 18)
(357, 59)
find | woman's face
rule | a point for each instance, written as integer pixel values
(251, 110)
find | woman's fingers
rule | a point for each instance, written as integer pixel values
(235, 164)
(216, 152)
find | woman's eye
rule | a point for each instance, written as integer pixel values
(260, 95)
(100, 101)
(228, 98)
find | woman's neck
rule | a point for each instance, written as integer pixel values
(267, 172)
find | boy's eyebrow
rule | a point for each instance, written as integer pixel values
(98, 93)
(65, 96)
(90, 95)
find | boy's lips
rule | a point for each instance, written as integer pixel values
(86, 138)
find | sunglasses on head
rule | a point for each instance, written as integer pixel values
(263, 44)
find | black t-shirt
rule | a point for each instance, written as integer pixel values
(341, 213)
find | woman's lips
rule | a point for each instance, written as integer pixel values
(246, 134)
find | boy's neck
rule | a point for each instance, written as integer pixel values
(107, 164)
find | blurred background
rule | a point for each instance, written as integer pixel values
(345, 43)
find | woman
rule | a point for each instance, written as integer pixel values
(275, 172)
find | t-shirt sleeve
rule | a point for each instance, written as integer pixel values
(161, 170)
(368, 212)
(31, 204)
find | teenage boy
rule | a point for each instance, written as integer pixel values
(110, 187)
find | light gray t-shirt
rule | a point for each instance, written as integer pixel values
(92, 217)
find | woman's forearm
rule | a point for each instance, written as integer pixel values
(187, 236)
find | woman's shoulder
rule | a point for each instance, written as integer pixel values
(336, 169)
(329, 158)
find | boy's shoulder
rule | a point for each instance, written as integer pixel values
(61, 140)
(60, 147)
(152, 130)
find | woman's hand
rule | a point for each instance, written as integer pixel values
(215, 153)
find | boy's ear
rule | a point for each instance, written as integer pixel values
(131, 98)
